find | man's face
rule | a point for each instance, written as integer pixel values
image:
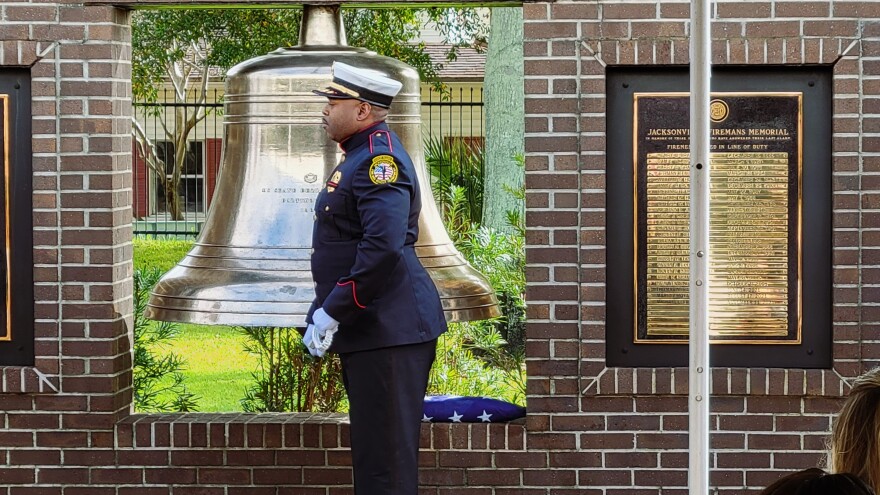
(343, 117)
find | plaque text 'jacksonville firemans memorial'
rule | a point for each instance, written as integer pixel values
(755, 217)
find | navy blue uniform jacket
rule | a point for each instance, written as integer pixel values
(364, 264)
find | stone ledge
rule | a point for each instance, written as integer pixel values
(724, 381)
(295, 430)
(734, 50)
(132, 4)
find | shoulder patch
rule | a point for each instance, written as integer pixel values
(383, 170)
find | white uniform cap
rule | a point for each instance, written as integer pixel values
(362, 84)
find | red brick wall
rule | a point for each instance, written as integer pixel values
(65, 424)
(626, 429)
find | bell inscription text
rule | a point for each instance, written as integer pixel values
(754, 220)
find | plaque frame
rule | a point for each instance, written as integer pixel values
(815, 84)
(5, 123)
(797, 301)
(17, 349)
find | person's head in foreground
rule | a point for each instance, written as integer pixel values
(855, 437)
(356, 99)
(815, 481)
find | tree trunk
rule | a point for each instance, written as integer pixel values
(172, 200)
(505, 115)
(182, 128)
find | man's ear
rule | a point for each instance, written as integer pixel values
(364, 110)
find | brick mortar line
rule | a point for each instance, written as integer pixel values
(860, 212)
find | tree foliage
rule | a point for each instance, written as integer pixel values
(182, 46)
(162, 39)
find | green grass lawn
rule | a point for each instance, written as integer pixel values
(158, 253)
(218, 370)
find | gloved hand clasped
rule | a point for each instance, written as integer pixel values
(319, 335)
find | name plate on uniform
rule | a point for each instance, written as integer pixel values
(755, 217)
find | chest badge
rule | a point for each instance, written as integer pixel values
(383, 170)
(333, 183)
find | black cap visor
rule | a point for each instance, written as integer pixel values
(331, 93)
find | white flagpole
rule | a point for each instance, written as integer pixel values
(698, 355)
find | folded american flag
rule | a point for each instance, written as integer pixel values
(463, 409)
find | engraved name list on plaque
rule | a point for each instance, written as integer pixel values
(755, 217)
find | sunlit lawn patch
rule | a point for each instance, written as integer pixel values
(218, 370)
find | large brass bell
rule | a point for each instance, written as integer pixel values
(250, 264)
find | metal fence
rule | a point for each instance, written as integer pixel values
(454, 115)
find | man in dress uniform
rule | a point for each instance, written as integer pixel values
(374, 303)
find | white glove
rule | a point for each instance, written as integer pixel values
(322, 334)
(307, 340)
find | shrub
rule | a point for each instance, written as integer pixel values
(501, 259)
(485, 357)
(289, 378)
(157, 379)
(458, 370)
(456, 164)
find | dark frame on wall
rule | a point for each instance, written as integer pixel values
(16, 224)
(812, 348)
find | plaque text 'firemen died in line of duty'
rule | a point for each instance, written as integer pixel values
(754, 217)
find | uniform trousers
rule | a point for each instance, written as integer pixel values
(386, 392)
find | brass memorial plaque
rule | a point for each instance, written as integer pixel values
(755, 217)
(5, 327)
